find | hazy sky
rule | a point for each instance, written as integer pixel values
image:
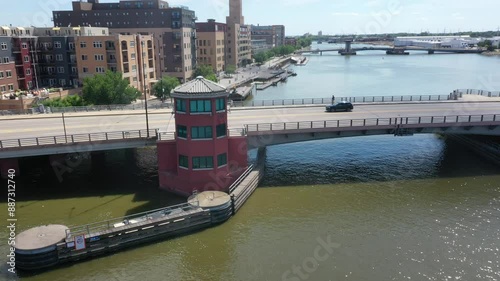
(302, 16)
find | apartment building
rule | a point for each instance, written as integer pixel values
(211, 38)
(273, 34)
(173, 29)
(8, 75)
(238, 36)
(132, 55)
(17, 52)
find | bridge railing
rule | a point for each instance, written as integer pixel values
(464, 119)
(90, 108)
(361, 99)
(78, 138)
(485, 93)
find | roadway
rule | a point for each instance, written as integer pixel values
(83, 123)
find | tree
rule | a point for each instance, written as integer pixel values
(164, 87)
(260, 57)
(230, 69)
(108, 88)
(65, 102)
(206, 71)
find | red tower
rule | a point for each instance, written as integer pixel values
(203, 155)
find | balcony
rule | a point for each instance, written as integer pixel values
(16, 50)
(18, 63)
(111, 61)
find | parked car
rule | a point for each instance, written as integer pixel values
(339, 106)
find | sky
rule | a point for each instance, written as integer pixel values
(333, 17)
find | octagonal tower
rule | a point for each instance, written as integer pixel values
(203, 155)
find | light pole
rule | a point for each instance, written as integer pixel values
(64, 126)
(144, 87)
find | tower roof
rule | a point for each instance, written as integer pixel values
(199, 88)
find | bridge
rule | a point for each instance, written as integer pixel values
(348, 50)
(262, 126)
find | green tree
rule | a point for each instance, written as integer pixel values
(65, 102)
(108, 88)
(260, 57)
(230, 69)
(206, 71)
(164, 87)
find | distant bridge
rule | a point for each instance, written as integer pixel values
(348, 50)
(394, 50)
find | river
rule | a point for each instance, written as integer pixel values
(367, 208)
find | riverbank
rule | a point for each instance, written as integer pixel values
(491, 54)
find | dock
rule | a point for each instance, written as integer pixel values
(241, 93)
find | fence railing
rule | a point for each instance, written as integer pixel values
(322, 101)
(464, 119)
(240, 179)
(78, 138)
(90, 108)
(102, 226)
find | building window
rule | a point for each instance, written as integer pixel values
(132, 43)
(180, 105)
(201, 132)
(8, 73)
(182, 131)
(5, 60)
(11, 87)
(60, 69)
(85, 57)
(221, 160)
(4, 46)
(24, 46)
(1, 75)
(183, 161)
(83, 44)
(62, 82)
(59, 57)
(57, 44)
(221, 130)
(26, 59)
(100, 69)
(134, 68)
(97, 44)
(220, 104)
(99, 57)
(200, 106)
(203, 162)
(85, 70)
(71, 45)
(3, 89)
(132, 56)
(28, 71)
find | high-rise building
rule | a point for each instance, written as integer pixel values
(173, 29)
(238, 36)
(211, 38)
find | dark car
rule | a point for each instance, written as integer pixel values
(340, 106)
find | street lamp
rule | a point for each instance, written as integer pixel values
(144, 87)
(64, 126)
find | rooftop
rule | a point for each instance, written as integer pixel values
(200, 87)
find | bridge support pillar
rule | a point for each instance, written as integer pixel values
(261, 155)
(431, 52)
(7, 165)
